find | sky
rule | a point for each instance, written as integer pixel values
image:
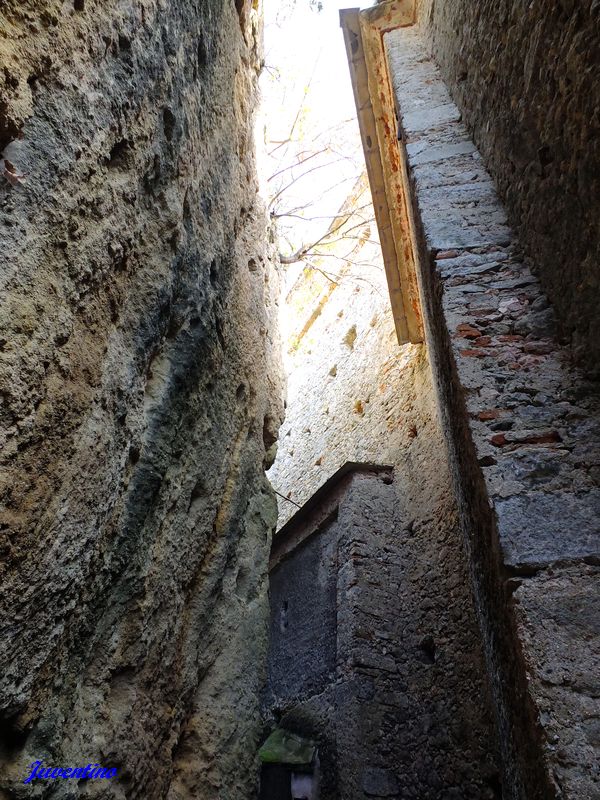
(306, 90)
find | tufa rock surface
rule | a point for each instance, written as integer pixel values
(139, 392)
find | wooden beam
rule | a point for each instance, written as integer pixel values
(363, 33)
(350, 22)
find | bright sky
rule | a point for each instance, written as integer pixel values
(300, 41)
(306, 82)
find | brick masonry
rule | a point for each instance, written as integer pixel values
(523, 430)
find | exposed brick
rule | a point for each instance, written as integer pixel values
(493, 413)
(443, 254)
(467, 331)
(513, 337)
(474, 353)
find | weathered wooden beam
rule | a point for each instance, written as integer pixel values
(373, 98)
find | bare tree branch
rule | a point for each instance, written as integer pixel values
(300, 107)
(325, 239)
(356, 211)
(300, 177)
(298, 163)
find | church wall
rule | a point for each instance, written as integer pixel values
(417, 699)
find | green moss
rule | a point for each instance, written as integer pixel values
(283, 747)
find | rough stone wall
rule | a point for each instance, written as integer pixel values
(139, 392)
(523, 430)
(397, 714)
(413, 719)
(345, 370)
(304, 610)
(355, 395)
(526, 78)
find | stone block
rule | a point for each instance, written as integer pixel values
(539, 528)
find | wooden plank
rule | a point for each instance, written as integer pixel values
(375, 22)
(363, 32)
(350, 22)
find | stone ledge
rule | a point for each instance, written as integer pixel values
(522, 431)
(520, 385)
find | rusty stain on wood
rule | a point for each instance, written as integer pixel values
(363, 35)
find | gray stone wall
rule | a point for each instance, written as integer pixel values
(413, 716)
(526, 77)
(140, 390)
(418, 700)
(523, 431)
(352, 393)
(304, 607)
(396, 703)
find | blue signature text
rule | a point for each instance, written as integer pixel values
(92, 771)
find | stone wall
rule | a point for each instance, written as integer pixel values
(526, 78)
(304, 611)
(522, 427)
(140, 389)
(355, 395)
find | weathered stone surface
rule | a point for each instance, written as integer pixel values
(531, 532)
(394, 701)
(304, 608)
(399, 703)
(559, 620)
(379, 782)
(139, 394)
(521, 424)
(527, 81)
(521, 388)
